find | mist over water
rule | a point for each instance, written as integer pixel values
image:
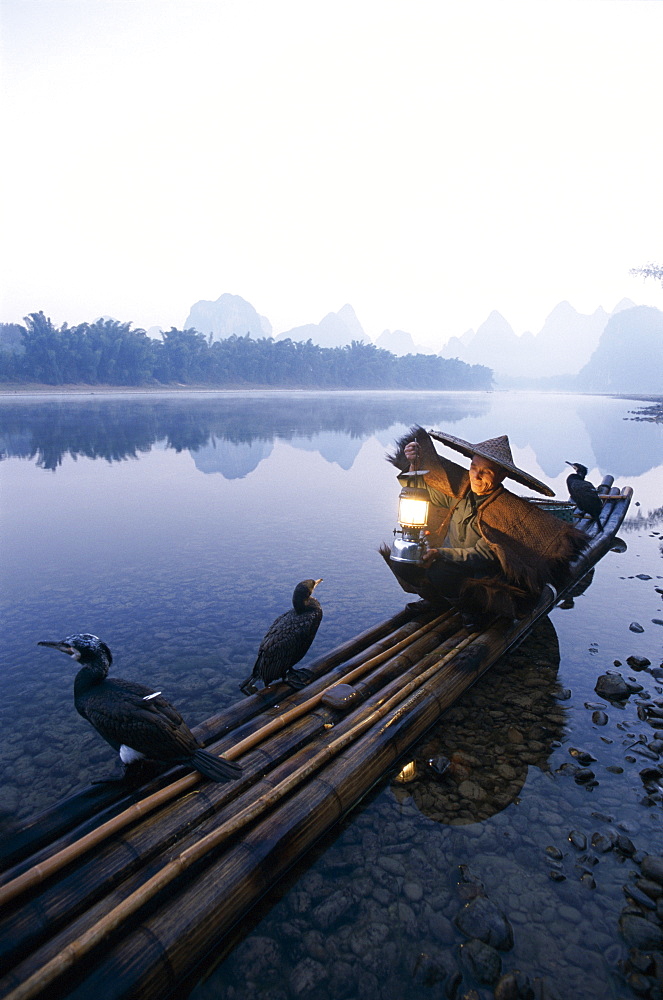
(175, 528)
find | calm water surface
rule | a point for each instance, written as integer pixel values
(175, 528)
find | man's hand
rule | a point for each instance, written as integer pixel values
(412, 453)
(429, 557)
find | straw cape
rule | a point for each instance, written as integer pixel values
(532, 546)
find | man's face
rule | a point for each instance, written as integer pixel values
(485, 476)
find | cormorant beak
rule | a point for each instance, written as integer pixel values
(569, 463)
(316, 582)
(64, 647)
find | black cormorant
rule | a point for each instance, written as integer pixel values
(136, 721)
(287, 640)
(583, 494)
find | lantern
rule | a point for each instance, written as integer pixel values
(409, 539)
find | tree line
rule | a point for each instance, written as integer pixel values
(108, 352)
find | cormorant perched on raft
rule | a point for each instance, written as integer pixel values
(287, 640)
(136, 721)
(584, 494)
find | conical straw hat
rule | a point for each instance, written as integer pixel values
(495, 450)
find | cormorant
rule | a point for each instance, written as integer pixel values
(287, 640)
(584, 494)
(136, 721)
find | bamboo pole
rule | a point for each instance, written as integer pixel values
(264, 853)
(95, 934)
(162, 949)
(123, 855)
(88, 805)
(60, 905)
(363, 646)
(43, 870)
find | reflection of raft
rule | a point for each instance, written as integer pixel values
(114, 895)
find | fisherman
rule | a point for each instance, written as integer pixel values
(489, 551)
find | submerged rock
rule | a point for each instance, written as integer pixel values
(582, 756)
(638, 662)
(640, 933)
(259, 954)
(578, 839)
(428, 970)
(481, 961)
(307, 976)
(652, 868)
(483, 920)
(612, 686)
(584, 775)
(516, 985)
(329, 912)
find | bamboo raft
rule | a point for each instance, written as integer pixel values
(117, 894)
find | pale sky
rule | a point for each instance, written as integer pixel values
(425, 161)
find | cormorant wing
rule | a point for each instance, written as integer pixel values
(119, 711)
(286, 641)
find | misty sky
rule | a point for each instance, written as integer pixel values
(425, 161)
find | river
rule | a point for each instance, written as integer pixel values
(176, 526)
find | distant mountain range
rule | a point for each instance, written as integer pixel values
(333, 330)
(629, 355)
(230, 314)
(564, 344)
(618, 351)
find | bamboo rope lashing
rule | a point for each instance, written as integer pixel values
(173, 869)
(40, 872)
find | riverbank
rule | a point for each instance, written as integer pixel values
(41, 389)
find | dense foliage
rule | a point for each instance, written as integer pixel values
(111, 353)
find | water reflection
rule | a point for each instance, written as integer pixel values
(641, 521)
(582, 585)
(475, 761)
(229, 434)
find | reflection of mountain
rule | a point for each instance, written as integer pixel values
(552, 426)
(621, 447)
(233, 461)
(119, 427)
(333, 446)
(485, 743)
(115, 428)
